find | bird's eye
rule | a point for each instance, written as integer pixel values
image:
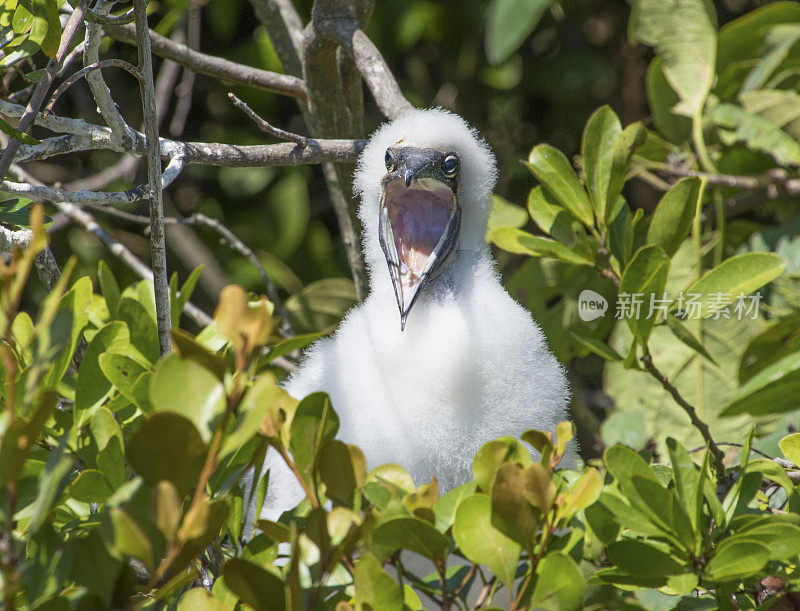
(450, 166)
(389, 159)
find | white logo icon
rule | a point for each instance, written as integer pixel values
(591, 305)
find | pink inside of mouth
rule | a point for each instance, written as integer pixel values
(418, 218)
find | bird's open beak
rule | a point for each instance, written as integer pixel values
(419, 224)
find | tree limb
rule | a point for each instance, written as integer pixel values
(158, 247)
(215, 66)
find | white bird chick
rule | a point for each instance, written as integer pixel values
(461, 362)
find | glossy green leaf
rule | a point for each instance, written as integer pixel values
(521, 242)
(313, 424)
(597, 149)
(342, 469)
(93, 387)
(512, 514)
(631, 138)
(142, 327)
(492, 455)
(445, 510)
(298, 342)
(374, 587)
(255, 586)
(600, 348)
(790, 446)
(642, 559)
(772, 390)
(506, 214)
(15, 133)
(559, 583)
(644, 280)
(411, 534)
(108, 285)
(126, 537)
(686, 477)
(675, 213)
(168, 446)
(662, 99)
(481, 542)
(554, 171)
(687, 337)
(183, 386)
(737, 558)
(320, 305)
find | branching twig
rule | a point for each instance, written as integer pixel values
(215, 66)
(106, 63)
(719, 457)
(266, 127)
(40, 92)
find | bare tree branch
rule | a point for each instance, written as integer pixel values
(158, 247)
(266, 127)
(40, 92)
(285, 30)
(380, 80)
(215, 66)
(87, 136)
(106, 63)
(120, 130)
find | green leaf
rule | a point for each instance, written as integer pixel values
(644, 279)
(168, 446)
(662, 99)
(90, 487)
(108, 445)
(411, 534)
(255, 404)
(553, 170)
(141, 325)
(46, 30)
(15, 133)
(682, 333)
(254, 586)
(374, 587)
(108, 285)
(481, 542)
(683, 33)
(642, 559)
(631, 138)
(556, 222)
(200, 599)
(342, 469)
(129, 377)
(600, 348)
(512, 515)
(673, 217)
(313, 424)
(778, 106)
(523, 243)
(601, 520)
(757, 133)
(126, 537)
(582, 494)
(183, 386)
(741, 274)
(492, 455)
(782, 539)
(508, 24)
(790, 446)
(298, 342)
(737, 558)
(178, 299)
(188, 347)
(506, 214)
(320, 305)
(778, 41)
(93, 387)
(687, 479)
(772, 390)
(597, 149)
(445, 510)
(559, 583)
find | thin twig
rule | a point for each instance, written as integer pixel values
(184, 90)
(158, 247)
(43, 85)
(106, 63)
(266, 127)
(110, 20)
(702, 427)
(215, 66)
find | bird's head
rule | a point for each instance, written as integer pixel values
(425, 181)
